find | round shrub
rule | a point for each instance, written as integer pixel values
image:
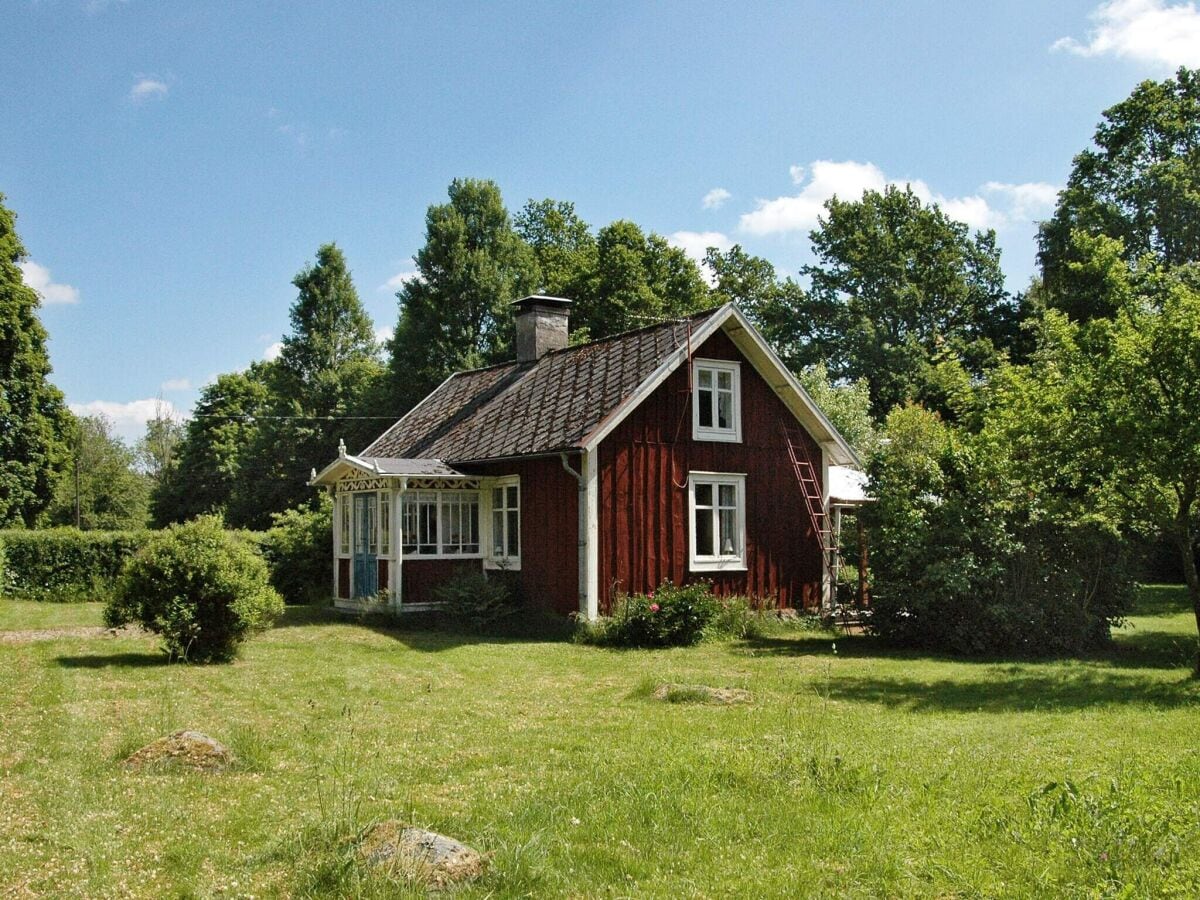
(200, 588)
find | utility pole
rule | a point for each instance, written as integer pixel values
(78, 450)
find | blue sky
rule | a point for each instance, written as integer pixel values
(173, 165)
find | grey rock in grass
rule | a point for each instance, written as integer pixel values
(189, 749)
(700, 693)
(420, 855)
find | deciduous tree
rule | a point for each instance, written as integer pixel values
(103, 480)
(898, 288)
(455, 313)
(1139, 184)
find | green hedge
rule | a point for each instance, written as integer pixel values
(64, 564)
(71, 566)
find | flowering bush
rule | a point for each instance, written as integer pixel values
(672, 616)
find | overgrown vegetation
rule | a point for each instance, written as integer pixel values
(671, 616)
(968, 559)
(915, 776)
(298, 549)
(478, 601)
(199, 588)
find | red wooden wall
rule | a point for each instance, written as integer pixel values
(644, 465)
(549, 575)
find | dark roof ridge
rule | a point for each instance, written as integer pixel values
(632, 331)
(611, 337)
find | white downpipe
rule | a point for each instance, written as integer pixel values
(589, 532)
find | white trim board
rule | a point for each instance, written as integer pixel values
(764, 360)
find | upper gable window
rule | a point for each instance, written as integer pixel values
(716, 400)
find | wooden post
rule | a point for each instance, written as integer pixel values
(864, 591)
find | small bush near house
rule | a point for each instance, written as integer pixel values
(477, 600)
(671, 616)
(199, 587)
(298, 549)
(65, 564)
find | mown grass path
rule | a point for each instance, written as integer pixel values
(857, 773)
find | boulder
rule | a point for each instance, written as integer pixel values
(700, 693)
(420, 855)
(189, 749)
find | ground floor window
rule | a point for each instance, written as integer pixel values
(506, 522)
(717, 507)
(439, 523)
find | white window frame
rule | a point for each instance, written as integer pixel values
(735, 562)
(491, 560)
(713, 432)
(459, 494)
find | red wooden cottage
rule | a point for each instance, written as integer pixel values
(680, 451)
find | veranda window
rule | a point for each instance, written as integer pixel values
(440, 523)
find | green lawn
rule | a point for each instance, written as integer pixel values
(861, 773)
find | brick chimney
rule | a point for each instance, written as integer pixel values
(541, 326)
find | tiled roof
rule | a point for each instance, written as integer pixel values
(511, 410)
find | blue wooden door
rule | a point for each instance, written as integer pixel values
(366, 546)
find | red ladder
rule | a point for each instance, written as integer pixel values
(810, 487)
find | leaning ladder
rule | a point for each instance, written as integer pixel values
(810, 487)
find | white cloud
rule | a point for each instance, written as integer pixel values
(1147, 31)
(383, 334)
(799, 212)
(38, 278)
(715, 198)
(696, 243)
(128, 419)
(272, 352)
(995, 205)
(176, 384)
(1030, 200)
(397, 281)
(147, 87)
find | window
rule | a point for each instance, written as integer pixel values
(385, 523)
(717, 413)
(718, 513)
(460, 523)
(506, 522)
(344, 525)
(439, 523)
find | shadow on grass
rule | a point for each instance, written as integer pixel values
(114, 661)
(430, 632)
(1061, 691)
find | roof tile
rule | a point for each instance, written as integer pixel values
(510, 410)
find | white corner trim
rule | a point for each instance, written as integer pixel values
(589, 604)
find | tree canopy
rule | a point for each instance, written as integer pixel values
(454, 313)
(33, 418)
(899, 289)
(1139, 184)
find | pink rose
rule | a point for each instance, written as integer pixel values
(654, 607)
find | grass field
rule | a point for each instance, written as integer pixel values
(857, 773)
